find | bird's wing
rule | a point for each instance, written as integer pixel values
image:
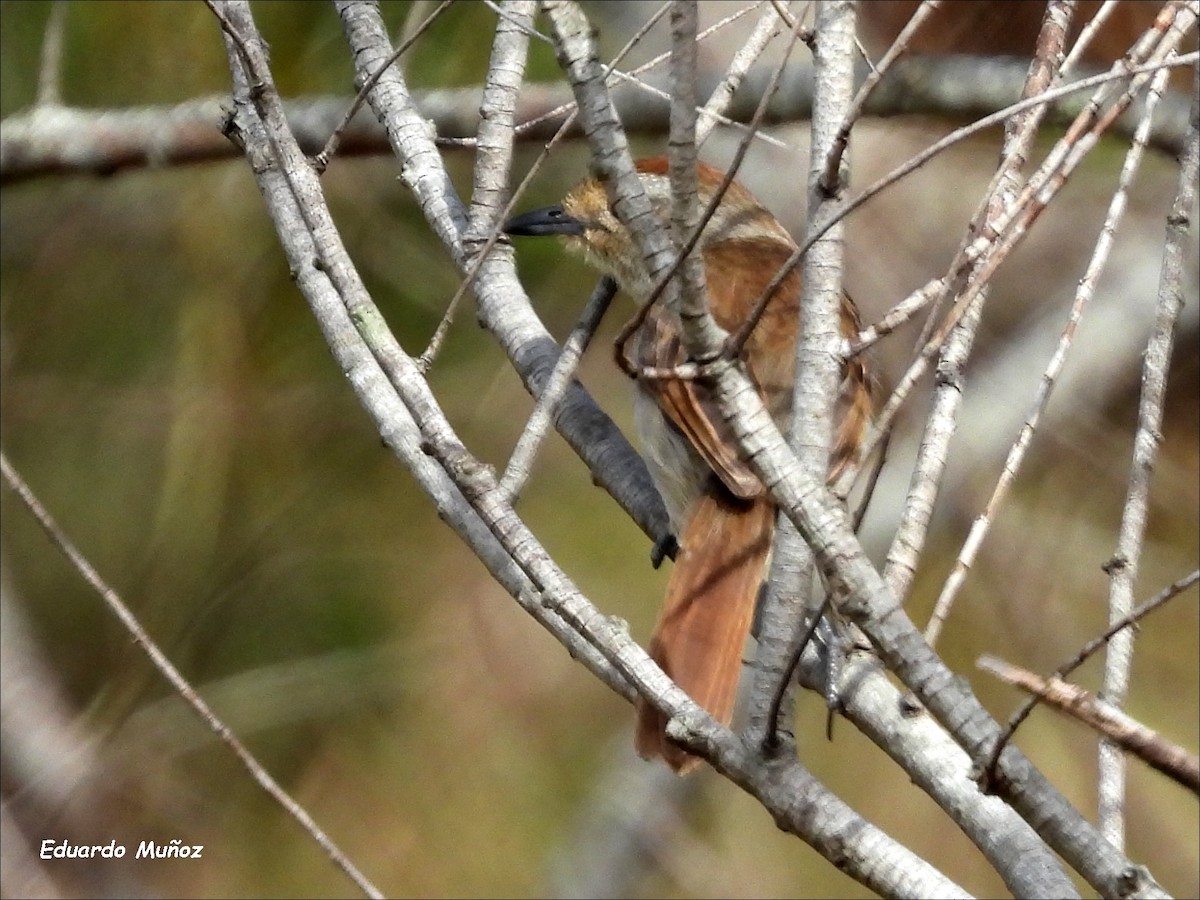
(690, 406)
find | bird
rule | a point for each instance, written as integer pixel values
(722, 516)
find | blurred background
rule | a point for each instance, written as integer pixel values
(168, 396)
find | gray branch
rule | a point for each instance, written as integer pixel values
(60, 140)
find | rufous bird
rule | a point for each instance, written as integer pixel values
(722, 515)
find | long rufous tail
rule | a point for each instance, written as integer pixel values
(706, 616)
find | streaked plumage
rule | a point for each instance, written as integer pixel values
(722, 517)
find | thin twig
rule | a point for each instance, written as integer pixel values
(988, 772)
(493, 157)
(429, 354)
(900, 45)
(1118, 728)
(774, 724)
(720, 119)
(521, 461)
(718, 101)
(1086, 34)
(49, 85)
(694, 313)
(522, 24)
(1083, 296)
(894, 318)
(321, 160)
(180, 684)
(414, 17)
(1123, 568)
(877, 445)
(217, 8)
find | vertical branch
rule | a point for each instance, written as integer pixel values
(493, 156)
(520, 464)
(1083, 295)
(718, 101)
(1123, 567)
(1000, 198)
(494, 142)
(818, 362)
(681, 145)
(49, 86)
(576, 51)
(1087, 33)
(833, 159)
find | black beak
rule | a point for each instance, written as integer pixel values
(538, 222)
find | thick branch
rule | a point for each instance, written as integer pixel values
(67, 140)
(503, 307)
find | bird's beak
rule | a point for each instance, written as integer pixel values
(538, 222)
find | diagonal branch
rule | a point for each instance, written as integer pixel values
(503, 307)
(181, 685)
(1119, 729)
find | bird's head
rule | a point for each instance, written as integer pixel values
(589, 228)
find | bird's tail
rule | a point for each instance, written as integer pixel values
(706, 616)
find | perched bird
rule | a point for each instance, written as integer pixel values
(721, 514)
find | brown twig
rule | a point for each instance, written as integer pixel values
(987, 775)
(321, 160)
(1121, 729)
(899, 46)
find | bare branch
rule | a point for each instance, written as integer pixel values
(1083, 296)
(829, 178)
(521, 461)
(321, 160)
(1123, 568)
(178, 683)
(49, 88)
(493, 160)
(701, 336)
(1121, 730)
(1091, 647)
(719, 100)
(790, 604)
(938, 766)
(58, 140)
